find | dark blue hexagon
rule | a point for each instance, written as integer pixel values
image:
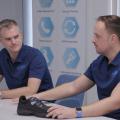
(71, 57)
(70, 3)
(46, 3)
(45, 27)
(47, 52)
(70, 27)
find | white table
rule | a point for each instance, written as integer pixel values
(8, 112)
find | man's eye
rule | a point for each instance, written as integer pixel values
(8, 39)
(15, 37)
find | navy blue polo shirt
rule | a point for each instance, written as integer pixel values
(29, 63)
(106, 76)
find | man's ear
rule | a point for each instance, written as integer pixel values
(114, 37)
(21, 35)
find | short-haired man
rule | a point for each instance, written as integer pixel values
(104, 72)
(23, 67)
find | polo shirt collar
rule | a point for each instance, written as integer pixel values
(20, 56)
(116, 60)
(6, 54)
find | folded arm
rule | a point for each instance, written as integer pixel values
(98, 108)
(31, 88)
(81, 84)
(104, 106)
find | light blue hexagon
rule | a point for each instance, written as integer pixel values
(46, 3)
(45, 27)
(47, 52)
(70, 3)
(70, 27)
(71, 57)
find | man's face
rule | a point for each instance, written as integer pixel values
(101, 39)
(11, 39)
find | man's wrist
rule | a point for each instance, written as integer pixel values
(79, 113)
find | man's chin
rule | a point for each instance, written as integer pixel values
(99, 52)
(15, 51)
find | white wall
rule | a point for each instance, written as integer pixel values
(11, 9)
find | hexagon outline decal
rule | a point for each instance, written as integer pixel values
(46, 3)
(70, 3)
(71, 57)
(45, 27)
(70, 27)
(48, 54)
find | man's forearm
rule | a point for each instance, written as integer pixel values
(59, 92)
(16, 92)
(101, 107)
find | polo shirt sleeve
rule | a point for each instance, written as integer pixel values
(38, 66)
(90, 71)
(1, 73)
(0, 65)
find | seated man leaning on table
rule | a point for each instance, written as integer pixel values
(24, 68)
(104, 72)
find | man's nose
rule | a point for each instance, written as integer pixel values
(93, 40)
(13, 40)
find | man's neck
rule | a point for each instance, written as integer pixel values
(13, 56)
(113, 54)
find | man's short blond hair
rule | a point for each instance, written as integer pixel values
(7, 23)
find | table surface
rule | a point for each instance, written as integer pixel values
(8, 112)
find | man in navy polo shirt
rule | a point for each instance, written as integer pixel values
(104, 72)
(24, 68)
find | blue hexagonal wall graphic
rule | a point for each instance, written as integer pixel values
(70, 3)
(71, 57)
(45, 27)
(70, 27)
(47, 52)
(45, 3)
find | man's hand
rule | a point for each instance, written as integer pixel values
(61, 112)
